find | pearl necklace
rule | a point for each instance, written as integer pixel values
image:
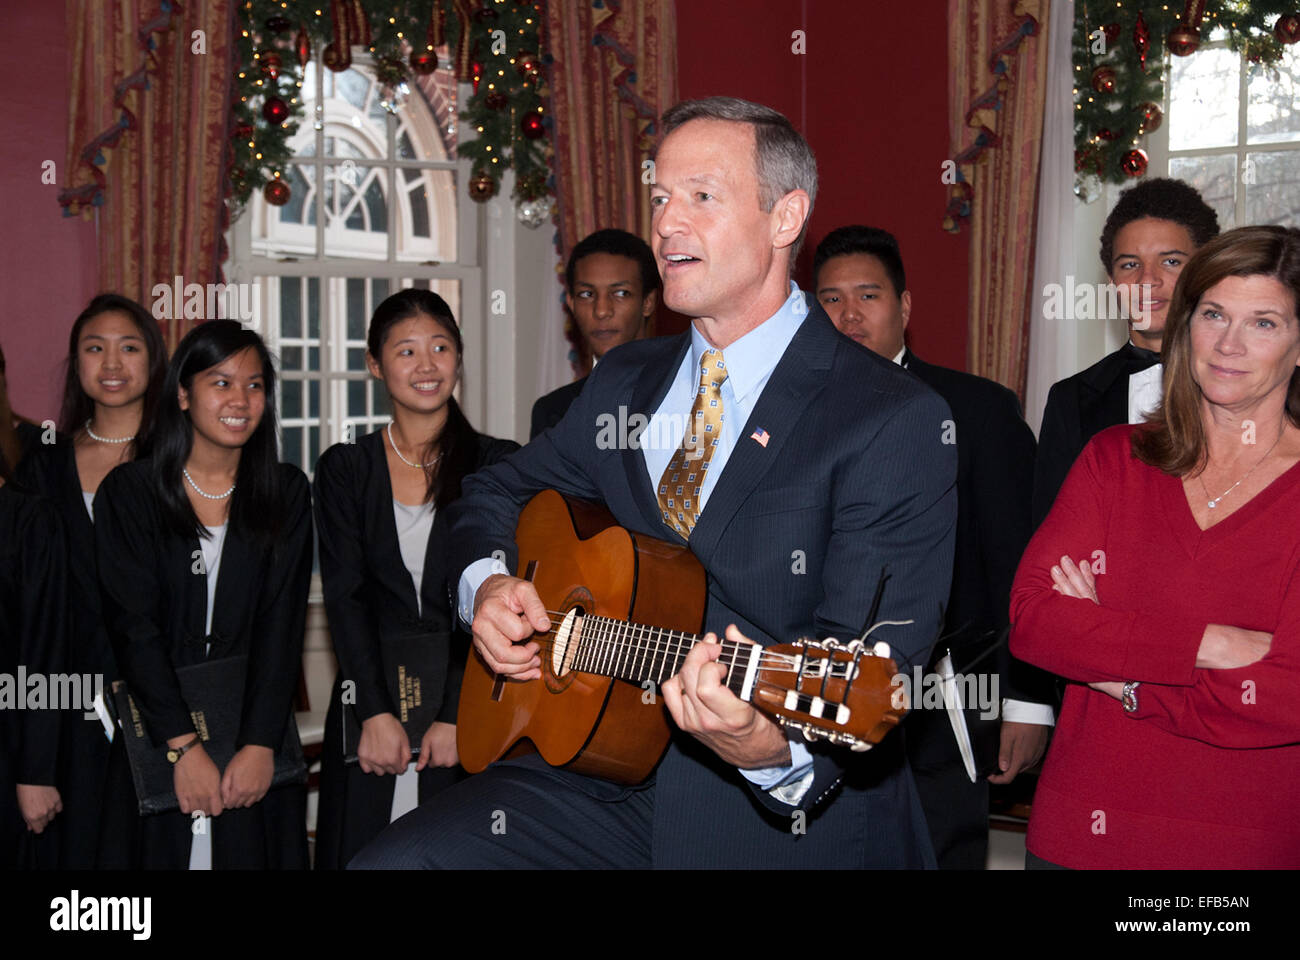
(418, 466)
(1215, 502)
(94, 436)
(202, 493)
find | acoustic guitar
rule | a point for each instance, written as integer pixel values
(625, 611)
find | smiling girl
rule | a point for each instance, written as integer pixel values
(204, 552)
(383, 543)
(115, 367)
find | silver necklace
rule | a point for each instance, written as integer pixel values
(203, 493)
(418, 466)
(1215, 502)
(94, 436)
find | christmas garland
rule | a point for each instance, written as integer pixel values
(494, 44)
(1118, 64)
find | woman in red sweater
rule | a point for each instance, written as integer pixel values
(1165, 585)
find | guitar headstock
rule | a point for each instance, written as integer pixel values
(844, 693)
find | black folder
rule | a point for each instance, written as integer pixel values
(415, 672)
(214, 692)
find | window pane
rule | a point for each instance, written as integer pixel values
(292, 452)
(313, 358)
(356, 358)
(378, 291)
(379, 397)
(356, 308)
(313, 398)
(1270, 114)
(356, 214)
(356, 399)
(291, 358)
(1203, 96)
(290, 307)
(1215, 178)
(1274, 195)
(290, 399)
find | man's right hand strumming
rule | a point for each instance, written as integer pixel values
(508, 610)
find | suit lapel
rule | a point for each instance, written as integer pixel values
(644, 398)
(237, 569)
(794, 383)
(1103, 402)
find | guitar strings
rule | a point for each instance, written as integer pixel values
(776, 662)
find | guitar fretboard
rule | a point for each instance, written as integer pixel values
(635, 652)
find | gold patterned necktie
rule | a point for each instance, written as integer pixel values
(680, 486)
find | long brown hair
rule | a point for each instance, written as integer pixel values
(1173, 439)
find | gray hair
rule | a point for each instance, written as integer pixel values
(783, 159)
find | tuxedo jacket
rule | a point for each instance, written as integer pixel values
(368, 590)
(1078, 408)
(155, 598)
(854, 478)
(550, 408)
(995, 471)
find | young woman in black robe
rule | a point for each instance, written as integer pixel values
(115, 366)
(204, 552)
(31, 636)
(383, 567)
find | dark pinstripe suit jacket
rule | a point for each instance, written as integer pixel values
(793, 536)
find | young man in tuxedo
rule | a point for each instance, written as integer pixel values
(792, 522)
(860, 282)
(613, 285)
(1154, 229)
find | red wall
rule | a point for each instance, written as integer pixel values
(47, 262)
(871, 96)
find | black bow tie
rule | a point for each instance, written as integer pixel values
(1138, 358)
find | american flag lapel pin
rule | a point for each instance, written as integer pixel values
(762, 436)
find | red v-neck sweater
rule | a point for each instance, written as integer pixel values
(1207, 772)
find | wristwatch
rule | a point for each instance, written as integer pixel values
(1129, 696)
(175, 753)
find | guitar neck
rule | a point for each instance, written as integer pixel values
(637, 653)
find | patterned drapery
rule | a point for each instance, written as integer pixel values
(148, 123)
(613, 71)
(997, 69)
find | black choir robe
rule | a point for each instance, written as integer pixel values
(369, 594)
(83, 748)
(155, 607)
(32, 634)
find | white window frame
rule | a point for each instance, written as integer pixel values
(246, 265)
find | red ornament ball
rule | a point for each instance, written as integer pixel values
(496, 100)
(1134, 163)
(276, 193)
(275, 110)
(270, 64)
(243, 131)
(423, 62)
(1287, 28)
(1111, 30)
(482, 188)
(1104, 79)
(1183, 40)
(532, 126)
(1106, 133)
(336, 59)
(1152, 117)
